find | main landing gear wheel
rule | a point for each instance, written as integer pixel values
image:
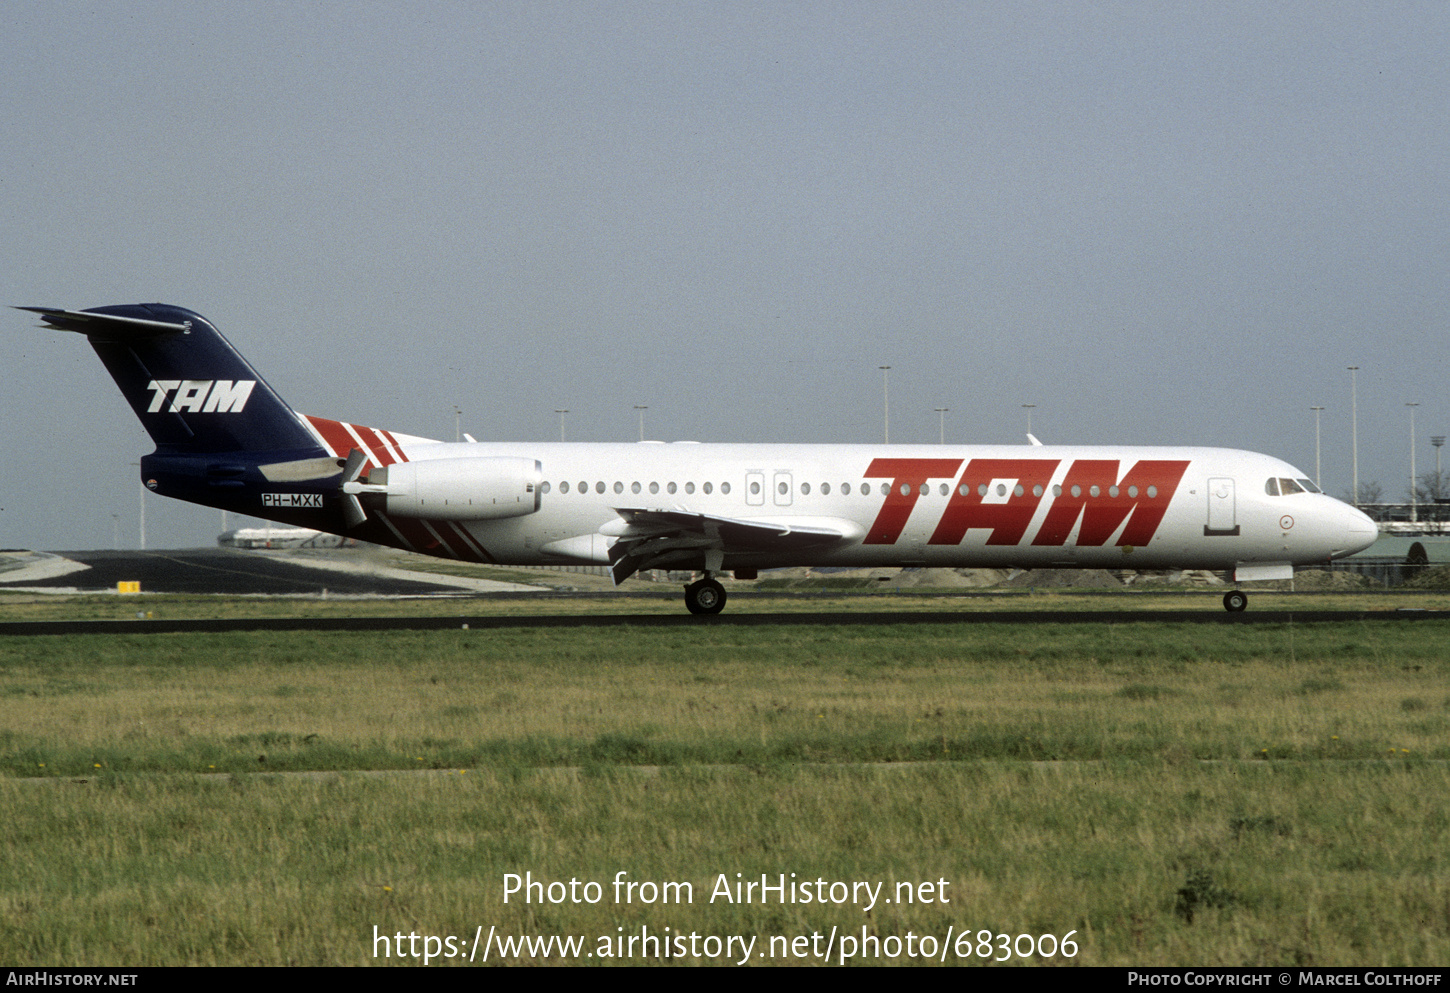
(705, 597)
(1235, 601)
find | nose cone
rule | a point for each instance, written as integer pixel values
(1355, 531)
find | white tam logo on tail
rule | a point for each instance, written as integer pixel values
(203, 396)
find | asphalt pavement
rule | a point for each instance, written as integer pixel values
(208, 570)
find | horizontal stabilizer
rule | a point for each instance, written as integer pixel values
(111, 326)
(300, 470)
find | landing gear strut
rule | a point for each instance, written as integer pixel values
(1235, 601)
(705, 597)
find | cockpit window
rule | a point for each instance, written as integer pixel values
(1285, 487)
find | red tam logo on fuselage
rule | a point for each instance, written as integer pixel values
(1003, 495)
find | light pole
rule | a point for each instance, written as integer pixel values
(561, 413)
(1414, 499)
(886, 403)
(941, 416)
(641, 407)
(1354, 425)
(142, 483)
(1316, 447)
(457, 423)
(1028, 407)
(1438, 493)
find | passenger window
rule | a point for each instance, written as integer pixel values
(670, 488)
(689, 487)
(654, 487)
(754, 489)
(634, 488)
(599, 486)
(825, 489)
(707, 488)
(945, 489)
(564, 486)
(885, 489)
(544, 488)
(724, 487)
(619, 487)
(805, 489)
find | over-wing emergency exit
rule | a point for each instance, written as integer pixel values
(225, 439)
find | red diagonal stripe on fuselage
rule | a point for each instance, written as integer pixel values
(374, 444)
(334, 435)
(343, 437)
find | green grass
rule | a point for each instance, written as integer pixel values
(1281, 865)
(1175, 794)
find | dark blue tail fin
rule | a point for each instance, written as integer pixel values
(191, 389)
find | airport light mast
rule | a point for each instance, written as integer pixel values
(1317, 481)
(1414, 497)
(1354, 426)
(886, 403)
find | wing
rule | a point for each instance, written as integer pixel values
(653, 539)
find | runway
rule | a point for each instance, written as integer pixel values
(740, 617)
(230, 572)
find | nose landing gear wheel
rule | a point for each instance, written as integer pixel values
(1235, 600)
(705, 597)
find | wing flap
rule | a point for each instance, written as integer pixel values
(649, 538)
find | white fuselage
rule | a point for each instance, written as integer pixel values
(924, 505)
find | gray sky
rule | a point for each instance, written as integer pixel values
(1161, 223)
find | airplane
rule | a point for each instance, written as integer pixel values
(225, 439)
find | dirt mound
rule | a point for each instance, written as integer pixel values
(1430, 579)
(1328, 579)
(1047, 579)
(946, 578)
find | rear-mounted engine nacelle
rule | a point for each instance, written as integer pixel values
(459, 489)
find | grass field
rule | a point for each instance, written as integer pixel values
(1171, 794)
